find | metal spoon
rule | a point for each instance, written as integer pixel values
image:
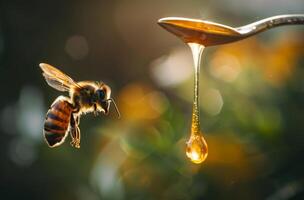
(209, 33)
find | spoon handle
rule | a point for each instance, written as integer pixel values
(271, 22)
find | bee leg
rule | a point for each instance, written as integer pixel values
(76, 138)
(77, 120)
(95, 110)
(75, 131)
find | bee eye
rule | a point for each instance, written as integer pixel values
(101, 94)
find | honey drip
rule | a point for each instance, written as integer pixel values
(197, 149)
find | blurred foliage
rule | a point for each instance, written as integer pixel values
(252, 95)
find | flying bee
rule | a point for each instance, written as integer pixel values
(63, 116)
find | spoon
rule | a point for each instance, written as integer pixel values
(209, 33)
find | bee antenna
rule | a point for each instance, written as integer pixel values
(116, 108)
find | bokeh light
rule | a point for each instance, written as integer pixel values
(77, 47)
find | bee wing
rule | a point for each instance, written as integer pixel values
(57, 79)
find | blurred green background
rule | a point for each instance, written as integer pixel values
(252, 95)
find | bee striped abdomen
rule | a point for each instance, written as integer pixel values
(57, 121)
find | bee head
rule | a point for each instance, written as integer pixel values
(103, 96)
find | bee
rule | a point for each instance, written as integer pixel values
(64, 114)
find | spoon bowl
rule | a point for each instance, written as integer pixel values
(210, 34)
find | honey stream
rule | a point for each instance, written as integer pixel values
(196, 146)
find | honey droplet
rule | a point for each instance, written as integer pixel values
(197, 149)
